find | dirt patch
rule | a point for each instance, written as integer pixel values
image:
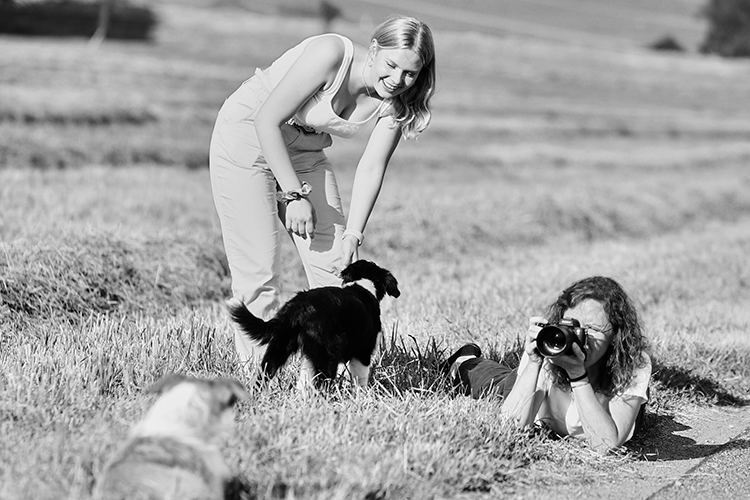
(674, 449)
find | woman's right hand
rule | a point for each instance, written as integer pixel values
(530, 346)
(349, 250)
(525, 398)
(300, 218)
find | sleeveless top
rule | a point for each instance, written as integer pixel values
(638, 388)
(317, 114)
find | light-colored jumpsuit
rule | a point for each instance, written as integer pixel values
(244, 188)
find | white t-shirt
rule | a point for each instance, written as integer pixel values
(573, 425)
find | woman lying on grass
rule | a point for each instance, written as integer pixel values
(596, 392)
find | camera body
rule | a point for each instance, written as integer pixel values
(555, 340)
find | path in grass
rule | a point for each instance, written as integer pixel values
(725, 474)
(692, 449)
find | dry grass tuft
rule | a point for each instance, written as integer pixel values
(79, 275)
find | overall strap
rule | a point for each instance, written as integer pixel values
(345, 64)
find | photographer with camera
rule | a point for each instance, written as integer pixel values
(584, 370)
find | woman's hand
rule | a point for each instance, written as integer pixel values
(574, 364)
(349, 250)
(300, 218)
(530, 344)
(525, 398)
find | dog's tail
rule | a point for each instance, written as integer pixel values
(281, 339)
(249, 324)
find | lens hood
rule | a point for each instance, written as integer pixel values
(555, 340)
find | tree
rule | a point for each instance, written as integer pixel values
(729, 28)
(105, 12)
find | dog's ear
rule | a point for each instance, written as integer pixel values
(166, 383)
(391, 286)
(229, 391)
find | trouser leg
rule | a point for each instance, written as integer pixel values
(244, 191)
(245, 201)
(321, 256)
(482, 377)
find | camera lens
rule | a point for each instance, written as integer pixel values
(551, 341)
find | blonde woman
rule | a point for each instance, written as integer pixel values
(267, 157)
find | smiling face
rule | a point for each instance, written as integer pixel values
(593, 318)
(393, 71)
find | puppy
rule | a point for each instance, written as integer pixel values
(173, 452)
(328, 326)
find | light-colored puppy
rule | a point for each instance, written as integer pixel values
(173, 453)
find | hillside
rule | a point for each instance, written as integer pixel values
(605, 23)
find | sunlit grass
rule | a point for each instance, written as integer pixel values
(554, 164)
(97, 306)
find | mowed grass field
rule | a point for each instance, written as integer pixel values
(545, 163)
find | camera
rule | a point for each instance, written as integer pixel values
(557, 339)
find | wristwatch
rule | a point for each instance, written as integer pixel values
(293, 195)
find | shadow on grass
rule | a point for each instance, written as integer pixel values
(679, 379)
(659, 441)
(240, 489)
(405, 366)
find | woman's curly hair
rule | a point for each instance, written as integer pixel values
(629, 345)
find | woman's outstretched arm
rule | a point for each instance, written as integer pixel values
(367, 182)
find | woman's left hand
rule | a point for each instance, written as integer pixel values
(349, 250)
(573, 364)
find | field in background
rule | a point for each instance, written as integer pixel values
(545, 162)
(605, 24)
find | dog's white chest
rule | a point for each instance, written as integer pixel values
(366, 284)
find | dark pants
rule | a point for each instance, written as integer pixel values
(479, 378)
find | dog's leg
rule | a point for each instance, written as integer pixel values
(359, 372)
(306, 375)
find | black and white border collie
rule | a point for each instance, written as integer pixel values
(327, 325)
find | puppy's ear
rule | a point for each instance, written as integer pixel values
(166, 383)
(391, 286)
(228, 391)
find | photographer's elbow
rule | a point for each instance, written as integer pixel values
(516, 416)
(605, 444)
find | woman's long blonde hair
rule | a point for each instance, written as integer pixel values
(412, 108)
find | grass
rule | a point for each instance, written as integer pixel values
(546, 164)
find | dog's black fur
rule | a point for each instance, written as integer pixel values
(328, 325)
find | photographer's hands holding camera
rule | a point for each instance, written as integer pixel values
(573, 364)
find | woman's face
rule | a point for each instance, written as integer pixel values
(592, 317)
(394, 71)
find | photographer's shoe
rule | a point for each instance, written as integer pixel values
(467, 351)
